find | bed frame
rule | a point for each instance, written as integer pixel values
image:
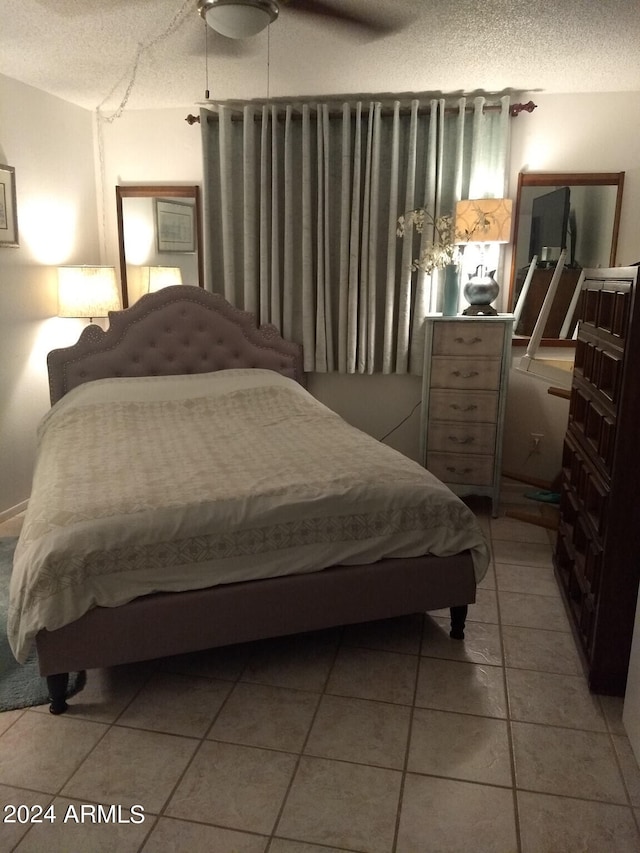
(184, 329)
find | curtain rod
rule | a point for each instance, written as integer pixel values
(514, 110)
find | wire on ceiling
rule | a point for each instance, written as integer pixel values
(101, 119)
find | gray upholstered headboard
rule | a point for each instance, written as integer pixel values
(179, 329)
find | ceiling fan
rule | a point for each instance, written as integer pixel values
(240, 19)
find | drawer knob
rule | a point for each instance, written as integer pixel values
(474, 340)
(453, 470)
(468, 408)
(468, 375)
(469, 439)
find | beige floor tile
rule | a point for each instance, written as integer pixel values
(485, 608)
(237, 787)
(565, 825)
(179, 835)
(261, 715)
(370, 674)
(534, 580)
(514, 530)
(8, 718)
(177, 704)
(466, 688)
(629, 767)
(523, 553)
(342, 805)
(302, 662)
(542, 650)
(481, 642)
(555, 760)
(460, 746)
(361, 731)
(613, 707)
(489, 580)
(450, 816)
(41, 752)
(226, 663)
(75, 830)
(12, 823)
(533, 611)
(391, 635)
(132, 767)
(281, 845)
(559, 700)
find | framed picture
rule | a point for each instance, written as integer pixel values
(8, 207)
(175, 231)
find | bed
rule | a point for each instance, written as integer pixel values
(182, 499)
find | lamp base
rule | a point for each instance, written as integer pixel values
(480, 310)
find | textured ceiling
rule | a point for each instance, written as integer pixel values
(89, 51)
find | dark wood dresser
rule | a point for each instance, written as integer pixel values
(597, 554)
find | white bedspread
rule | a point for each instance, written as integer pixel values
(175, 483)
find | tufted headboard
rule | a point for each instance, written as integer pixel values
(179, 329)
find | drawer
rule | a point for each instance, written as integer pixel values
(465, 373)
(461, 468)
(468, 406)
(468, 338)
(462, 438)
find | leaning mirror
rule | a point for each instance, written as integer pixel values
(159, 238)
(576, 212)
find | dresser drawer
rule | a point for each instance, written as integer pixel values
(465, 373)
(468, 406)
(468, 338)
(462, 438)
(461, 468)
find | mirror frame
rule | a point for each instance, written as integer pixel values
(157, 191)
(553, 179)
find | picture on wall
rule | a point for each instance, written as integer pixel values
(8, 207)
(175, 231)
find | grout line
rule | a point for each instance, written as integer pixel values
(512, 756)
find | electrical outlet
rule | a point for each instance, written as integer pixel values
(536, 442)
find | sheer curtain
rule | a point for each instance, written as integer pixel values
(301, 205)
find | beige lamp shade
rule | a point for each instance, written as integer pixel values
(160, 277)
(87, 291)
(483, 220)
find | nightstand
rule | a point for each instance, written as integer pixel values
(464, 388)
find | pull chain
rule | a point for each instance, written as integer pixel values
(206, 61)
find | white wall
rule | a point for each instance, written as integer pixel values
(50, 144)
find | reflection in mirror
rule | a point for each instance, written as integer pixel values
(159, 238)
(577, 212)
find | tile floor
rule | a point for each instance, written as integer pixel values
(378, 738)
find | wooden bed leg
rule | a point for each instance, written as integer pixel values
(458, 618)
(57, 685)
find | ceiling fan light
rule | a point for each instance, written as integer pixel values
(238, 19)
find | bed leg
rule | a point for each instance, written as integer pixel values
(458, 618)
(57, 685)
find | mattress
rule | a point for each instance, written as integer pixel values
(173, 483)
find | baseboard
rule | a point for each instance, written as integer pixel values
(6, 514)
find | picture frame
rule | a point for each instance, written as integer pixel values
(175, 226)
(8, 207)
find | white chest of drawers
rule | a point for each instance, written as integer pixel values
(464, 388)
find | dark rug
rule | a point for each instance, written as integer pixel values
(21, 685)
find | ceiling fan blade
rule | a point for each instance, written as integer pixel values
(375, 24)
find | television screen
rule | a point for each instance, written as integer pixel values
(549, 221)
